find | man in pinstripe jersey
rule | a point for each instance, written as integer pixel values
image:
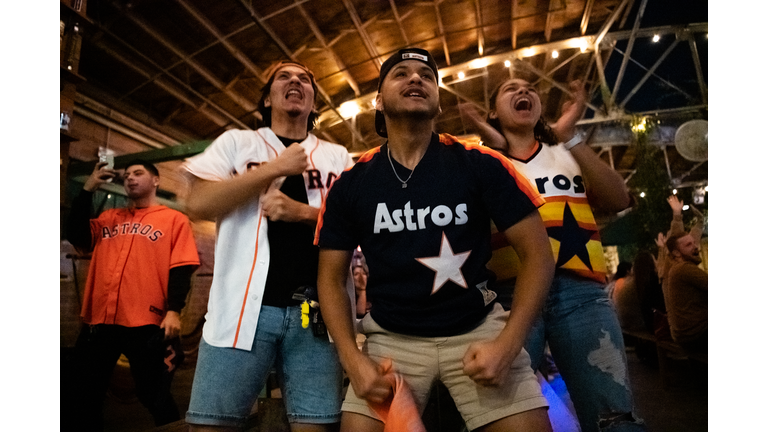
(264, 189)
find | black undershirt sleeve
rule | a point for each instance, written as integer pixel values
(179, 282)
(78, 229)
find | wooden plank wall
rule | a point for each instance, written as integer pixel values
(92, 135)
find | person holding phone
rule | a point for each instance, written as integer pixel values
(143, 257)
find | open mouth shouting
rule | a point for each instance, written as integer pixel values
(294, 93)
(524, 103)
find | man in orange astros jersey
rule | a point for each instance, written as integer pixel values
(143, 258)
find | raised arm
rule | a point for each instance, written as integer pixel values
(210, 199)
(475, 122)
(573, 110)
(78, 229)
(676, 226)
(365, 376)
(487, 362)
(605, 187)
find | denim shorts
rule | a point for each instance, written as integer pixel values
(228, 381)
(422, 360)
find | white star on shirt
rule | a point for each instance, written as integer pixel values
(447, 266)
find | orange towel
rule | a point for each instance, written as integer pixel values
(400, 414)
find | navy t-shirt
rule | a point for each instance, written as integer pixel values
(427, 245)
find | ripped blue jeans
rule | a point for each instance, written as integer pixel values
(584, 336)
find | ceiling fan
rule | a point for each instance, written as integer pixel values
(691, 140)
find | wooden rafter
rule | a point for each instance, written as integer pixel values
(399, 21)
(480, 36)
(442, 33)
(328, 50)
(276, 40)
(512, 25)
(367, 42)
(585, 17)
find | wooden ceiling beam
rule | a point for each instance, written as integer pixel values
(399, 21)
(328, 50)
(367, 42)
(549, 21)
(284, 9)
(287, 52)
(609, 22)
(233, 50)
(585, 17)
(441, 29)
(221, 117)
(191, 55)
(512, 25)
(480, 35)
(245, 103)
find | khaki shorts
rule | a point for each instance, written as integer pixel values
(423, 360)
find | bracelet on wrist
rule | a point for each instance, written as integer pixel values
(577, 139)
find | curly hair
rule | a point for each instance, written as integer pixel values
(541, 131)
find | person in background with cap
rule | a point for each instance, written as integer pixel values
(420, 207)
(264, 189)
(143, 258)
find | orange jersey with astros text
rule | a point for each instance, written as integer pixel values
(134, 249)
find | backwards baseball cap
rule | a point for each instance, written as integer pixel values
(400, 56)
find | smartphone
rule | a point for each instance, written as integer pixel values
(108, 156)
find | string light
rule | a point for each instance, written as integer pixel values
(461, 75)
(639, 125)
(656, 38)
(642, 194)
(555, 54)
(507, 63)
